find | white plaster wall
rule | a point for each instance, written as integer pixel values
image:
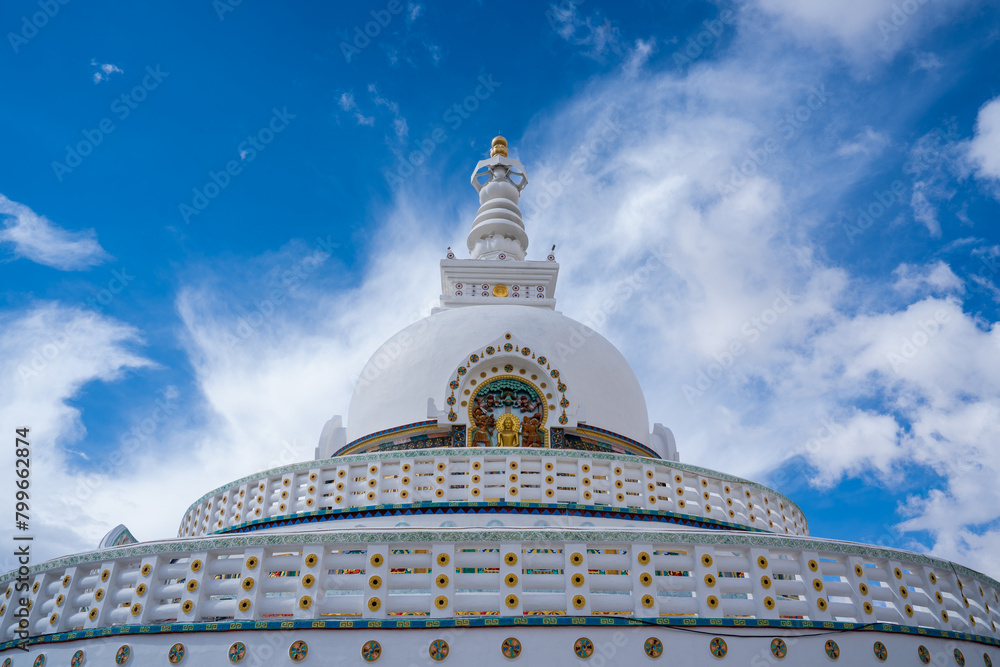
(418, 362)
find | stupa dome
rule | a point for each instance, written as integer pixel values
(420, 362)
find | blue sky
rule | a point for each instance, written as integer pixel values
(211, 214)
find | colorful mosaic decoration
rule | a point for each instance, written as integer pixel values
(881, 652)
(438, 650)
(76, 660)
(237, 652)
(123, 654)
(718, 647)
(7, 662)
(371, 651)
(653, 647)
(298, 651)
(959, 658)
(832, 650)
(39, 661)
(176, 653)
(924, 654)
(584, 648)
(778, 648)
(507, 411)
(986, 660)
(511, 647)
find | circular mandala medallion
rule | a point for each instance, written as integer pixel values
(718, 647)
(176, 654)
(490, 349)
(508, 347)
(881, 652)
(76, 660)
(39, 661)
(511, 648)
(832, 650)
(438, 649)
(237, 652)
(371, 651)
(653, 647)
(298, 651)
(959, 658)
(508, 368)
(778, 648)
(124, 653)
(584, 648)
(923, 654)
(542, 360)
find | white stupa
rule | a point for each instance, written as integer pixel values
(497, 496)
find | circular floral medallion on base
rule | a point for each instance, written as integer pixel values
(653, 647)
(237, 652)
(959, 658)
(832, 650)
(76, 660)
(511, 647)
(718, 647)
(176, 653)
(438, 650)
(371, 651)
(39, 661)
(778, 648)
(583, 647)
(881, 652)
(298, 651)
(924, 654)
(124, 653)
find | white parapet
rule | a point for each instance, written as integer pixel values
(506, 476)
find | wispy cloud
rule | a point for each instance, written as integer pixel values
(399, 125)
(104, 70)
(37, 238)
(595, 33)
(638, 56)
(348, 104)
(867, 142)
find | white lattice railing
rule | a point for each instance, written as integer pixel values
(511, 475)
(451, 573)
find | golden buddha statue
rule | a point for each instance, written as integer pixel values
(508, 427)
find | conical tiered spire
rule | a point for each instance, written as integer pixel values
(498, 231)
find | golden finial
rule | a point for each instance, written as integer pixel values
(499, 147)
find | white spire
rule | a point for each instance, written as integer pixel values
(498, 231)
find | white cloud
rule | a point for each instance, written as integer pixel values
(595, 33)
(48, 353)
(37, 238)
(399, 125)
(861, 28)
(933, 162)
(867, 142)
(984, 148)
(104, 70)
(347, 103)
(638, 56)
(936, 278)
